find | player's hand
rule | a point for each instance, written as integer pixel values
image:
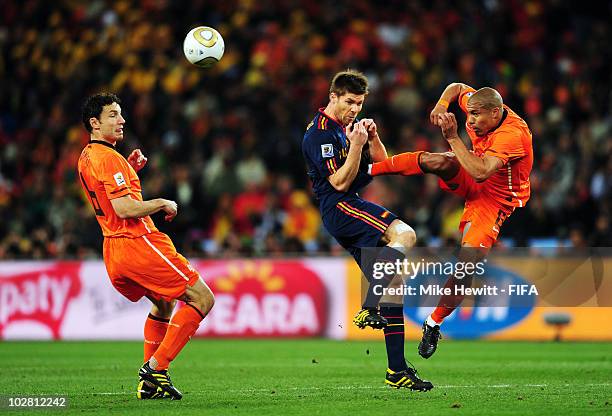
(137, 160)
(448, 125)
(357, 135)
(170, 208)
(435, 113)
(370, 127)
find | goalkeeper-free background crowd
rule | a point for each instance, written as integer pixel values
(225, 143)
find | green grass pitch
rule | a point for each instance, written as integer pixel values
(306, 377)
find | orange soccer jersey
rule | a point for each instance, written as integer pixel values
(106, 175)
(510, 142)
(140, 260)
(489, 203)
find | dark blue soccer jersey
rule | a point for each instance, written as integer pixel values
(354, 222)
(325, 148)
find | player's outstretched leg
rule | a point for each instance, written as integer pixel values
(444, 165)
(198, 302)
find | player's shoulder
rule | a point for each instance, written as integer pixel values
(466, 90)
(324, 122)
(464, 96)
(105, 156)
(321, 122)
(319, 130)
(512, 115)
(514, 124)
(512, 118)
(511, 136)
(319, 144)
(505, 131)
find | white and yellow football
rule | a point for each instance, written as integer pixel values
(203, 46)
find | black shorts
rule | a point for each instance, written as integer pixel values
(357, 224)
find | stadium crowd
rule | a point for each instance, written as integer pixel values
(225, 143)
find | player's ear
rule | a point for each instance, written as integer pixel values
(94, 123)
(333, 97)
(497, 113)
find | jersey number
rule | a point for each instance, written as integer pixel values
(501, 217)
(93, 198)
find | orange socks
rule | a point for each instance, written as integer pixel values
(448, 303)
(154, 331)
(182, 326)
(440, 313)
(404, 164)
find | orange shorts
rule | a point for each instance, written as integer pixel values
(484, 214)
(148, 265)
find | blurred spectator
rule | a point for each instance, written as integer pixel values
(303, 221)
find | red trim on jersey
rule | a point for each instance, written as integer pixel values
(321, 110)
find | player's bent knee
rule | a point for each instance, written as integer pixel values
(410, 238)
(407, 238)
(209, 299)
(201, 295)
(403, 236)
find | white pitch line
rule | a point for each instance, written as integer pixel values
(447, 386)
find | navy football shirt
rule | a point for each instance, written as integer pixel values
(325, 148)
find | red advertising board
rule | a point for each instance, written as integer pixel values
(264, 298)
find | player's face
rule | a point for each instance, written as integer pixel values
(111, 122)
(347, 106)
(481, 119)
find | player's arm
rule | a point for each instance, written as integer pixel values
(479, 168)
(378, 152)
(113, 171)
(451, 93)
(342, 179)
(126, 207)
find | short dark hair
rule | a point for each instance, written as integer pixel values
(349, 81)
(94, 105)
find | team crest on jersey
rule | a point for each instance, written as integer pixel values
(119, 178)
(327, 150)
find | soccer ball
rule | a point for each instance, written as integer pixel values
(203, 46)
